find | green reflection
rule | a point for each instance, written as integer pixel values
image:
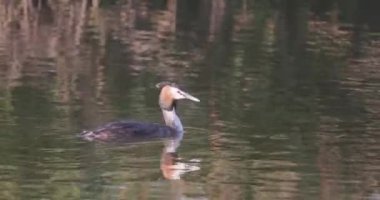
(288, 89)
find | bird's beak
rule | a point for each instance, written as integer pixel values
(189, 96)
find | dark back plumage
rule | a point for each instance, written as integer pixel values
(130, 131)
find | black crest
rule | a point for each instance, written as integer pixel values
(160, 85)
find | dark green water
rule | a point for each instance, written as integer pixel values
(290, 102)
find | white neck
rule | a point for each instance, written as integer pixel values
(172, 120)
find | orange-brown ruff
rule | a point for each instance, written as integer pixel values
(129, 131)
(166, 99)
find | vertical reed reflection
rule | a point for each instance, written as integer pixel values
(291, 89)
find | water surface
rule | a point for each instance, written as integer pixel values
(289, 99)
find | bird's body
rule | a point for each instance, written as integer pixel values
(129, 131)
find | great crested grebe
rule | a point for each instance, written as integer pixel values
(131, 131)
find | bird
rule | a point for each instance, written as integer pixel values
(130, 131)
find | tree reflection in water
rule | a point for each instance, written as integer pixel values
(291, 91)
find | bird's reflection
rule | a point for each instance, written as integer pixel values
(172, 166)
